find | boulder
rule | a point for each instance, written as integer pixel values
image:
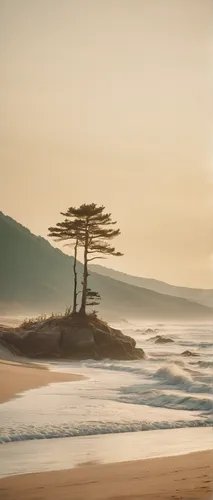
(34, 342)
(71, 337)
(189, 354)
(163, 340)
(158, 339)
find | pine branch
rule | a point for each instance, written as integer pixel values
(94, 258)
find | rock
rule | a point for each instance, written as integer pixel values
(8, 354)
(34, 342)
(114, 344)
(163, 340)
(160, 340)
(71, 337)
(148, 330)
(189, 353)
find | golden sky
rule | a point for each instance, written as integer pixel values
(110, 101)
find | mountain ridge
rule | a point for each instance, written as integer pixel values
(200, 295)
(37, 277)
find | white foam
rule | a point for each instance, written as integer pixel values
(176, 376)
(32, 432)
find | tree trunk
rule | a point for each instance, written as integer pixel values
(85, 278)
(75, 279)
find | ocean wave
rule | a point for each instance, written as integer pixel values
(32, 432)
(121, 367)
(183, 363)
(160, 399)
(205, 344)
(173, 375)
(198, 345)
(205, 364)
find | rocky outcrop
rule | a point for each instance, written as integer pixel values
(150, 330)
(158, 339)
(163, 340)
(189, 354)
(70, 337)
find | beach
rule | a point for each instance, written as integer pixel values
(180, 477)
(116, 430)
(17, 377)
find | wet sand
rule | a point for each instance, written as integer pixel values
(18, 377)
(181, 477)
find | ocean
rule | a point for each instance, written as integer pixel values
(123, 410)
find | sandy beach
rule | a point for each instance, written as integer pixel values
(185, 477)
(180, 477)
(18, 377)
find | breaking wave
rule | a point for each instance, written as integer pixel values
(160, 399)
(31, 432)
(173, 375)
(174, 388)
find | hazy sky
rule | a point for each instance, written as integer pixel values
(110, 101)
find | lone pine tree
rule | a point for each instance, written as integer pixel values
(92, 229)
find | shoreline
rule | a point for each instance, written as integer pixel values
(176, 477)
(17, 377)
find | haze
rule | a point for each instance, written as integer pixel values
(109, 101)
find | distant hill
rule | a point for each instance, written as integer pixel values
(201, 296)
(35, 277)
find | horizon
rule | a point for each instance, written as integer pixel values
(98, 106)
